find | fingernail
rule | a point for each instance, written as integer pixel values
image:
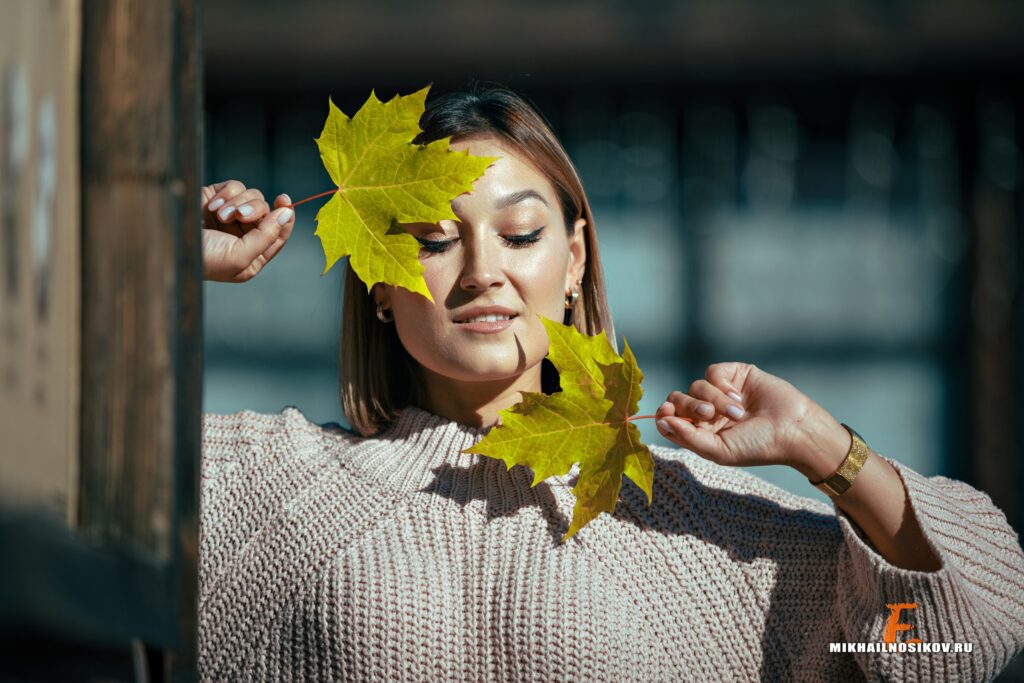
(663, 426)
(226, 213)
(284, 216)
(705, 409)
(666, 406)
(216, 204)
(287, 198)
(245, 210)
(736, 397)
(735, 412)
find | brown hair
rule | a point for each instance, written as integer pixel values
(378, 376)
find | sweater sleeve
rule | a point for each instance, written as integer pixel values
(976, 597)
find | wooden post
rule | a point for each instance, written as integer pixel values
(995, 360)
(141, 291)
(995, 347)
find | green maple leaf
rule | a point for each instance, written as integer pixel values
(384, 179)
(587, 422)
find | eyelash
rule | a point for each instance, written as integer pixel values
(514, 242)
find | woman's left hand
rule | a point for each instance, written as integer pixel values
(778, 424)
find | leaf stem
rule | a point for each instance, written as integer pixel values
(653, 417)
(308, 199)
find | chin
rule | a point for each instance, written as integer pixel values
(478, 369)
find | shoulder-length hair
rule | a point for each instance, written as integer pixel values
(378, 377)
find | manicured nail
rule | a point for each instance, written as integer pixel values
(226, 213)
(216, 204)
(284, 216)
(705, 409)
(735, 412)
(245, 210)
(736, 397)
(286, 198)
(663, 426)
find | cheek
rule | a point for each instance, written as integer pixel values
(542, 280)
(415, 313)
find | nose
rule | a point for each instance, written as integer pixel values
(482, 267)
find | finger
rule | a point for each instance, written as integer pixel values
(668, 409)
(665, 409)
(206, 194)
(286, 219)
(722, 375)
(228, 184)
(703, 442)
(256, 241)
(222, 193)
(724, 404)
(691, 406)
(251, 211)
(240, 206)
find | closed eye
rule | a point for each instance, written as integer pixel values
(519, 241)
(513, 241)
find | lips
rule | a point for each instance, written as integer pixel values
(482, 311)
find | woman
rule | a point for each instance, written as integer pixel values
(386, 554)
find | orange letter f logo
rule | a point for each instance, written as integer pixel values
(893, 624)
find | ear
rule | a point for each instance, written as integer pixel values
(577, 254)
(379, 293)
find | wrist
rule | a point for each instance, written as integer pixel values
(823, 445)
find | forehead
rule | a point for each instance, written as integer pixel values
(510, 173)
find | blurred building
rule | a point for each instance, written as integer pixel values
(829, 190)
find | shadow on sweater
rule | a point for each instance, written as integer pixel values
(457, 484)
(748, 527)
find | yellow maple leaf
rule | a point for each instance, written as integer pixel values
(384, 179)
(586, 422)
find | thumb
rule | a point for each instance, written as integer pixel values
(703, 442)
(259, 239)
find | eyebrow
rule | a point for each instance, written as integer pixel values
(516, 197)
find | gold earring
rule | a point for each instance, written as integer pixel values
(571, 299)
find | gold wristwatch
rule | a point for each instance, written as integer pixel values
(839, 481)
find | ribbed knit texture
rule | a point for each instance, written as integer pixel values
(327, 556)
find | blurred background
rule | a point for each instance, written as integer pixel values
(829, 190)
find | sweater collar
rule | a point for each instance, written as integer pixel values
(421, 451)
(418, 449)
(415, 425)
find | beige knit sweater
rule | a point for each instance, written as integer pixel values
(327, 556)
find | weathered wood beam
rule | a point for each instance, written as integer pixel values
(141, 288)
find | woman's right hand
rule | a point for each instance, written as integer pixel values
(240, 231)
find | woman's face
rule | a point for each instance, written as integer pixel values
(475, 261)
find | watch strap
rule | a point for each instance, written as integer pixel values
(842, 479)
